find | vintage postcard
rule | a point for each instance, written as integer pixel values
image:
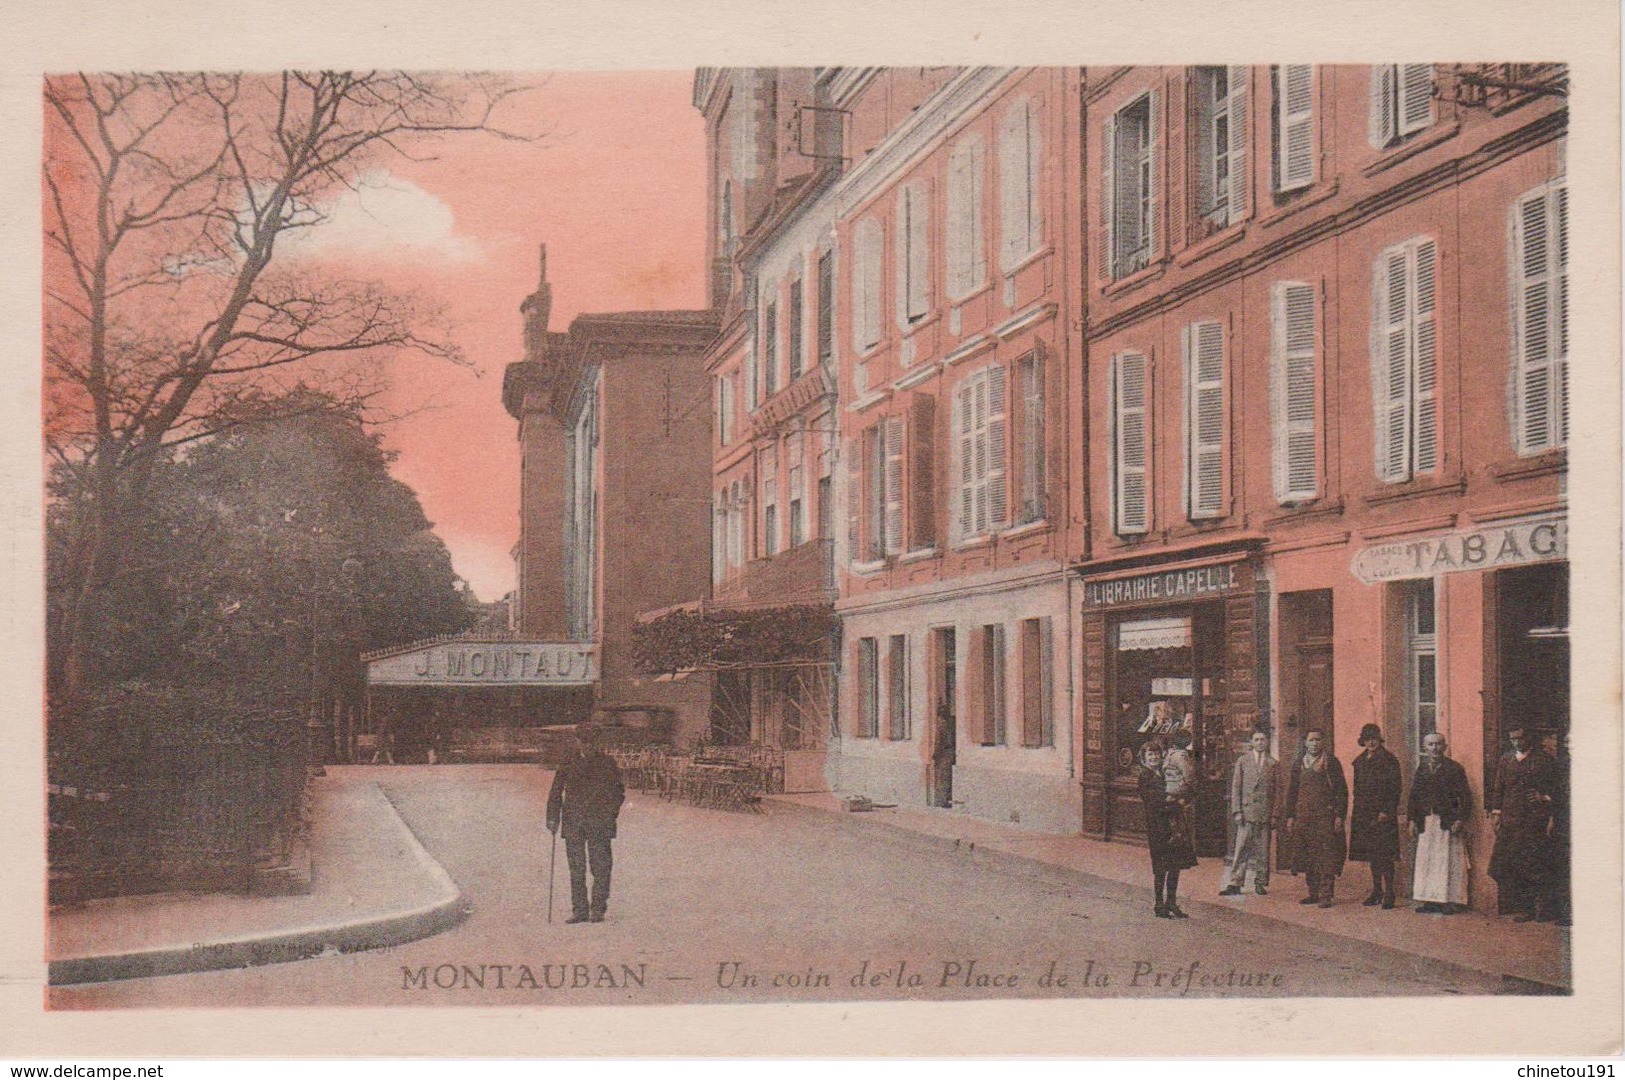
(981, 546)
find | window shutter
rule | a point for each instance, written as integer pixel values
(1297, 474)
(1046, 681)
(919, 252)
(1029, 638)
(770, 351)
(1183, 89)
(978, 422)
(892, 485)
(958, 211)
(797, 342)
(1153, 178)
(1204, 418)
(873, 282)
(1295, 136)
(964, 454)
(1033, 501)
(1383, 105)
(826, 308)
(1033, 186)
(1540, 294)
(854, 497)
(974, 220)
(1106, 266)
(998, 503)
(1427, 363)
(1236, 108)
(1012, 177)
(1391, 367)
(1415, 83)
(1131, 437)
(753, 376)
(922, 486)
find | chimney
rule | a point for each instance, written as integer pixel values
(537, 309)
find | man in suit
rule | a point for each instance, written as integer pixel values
(1527, 787)
(584, 802)
(1252, 798)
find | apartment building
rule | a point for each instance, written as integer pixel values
(1326, 417)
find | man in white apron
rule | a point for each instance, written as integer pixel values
(1437, 808)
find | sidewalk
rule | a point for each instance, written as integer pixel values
(372, 884)
(1528, 953)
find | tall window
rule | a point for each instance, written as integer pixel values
(922, 484)
(1421, 659)
(826, 309)
(1221, 143)
(798, 347)
(1131, 444)
(1037, 719)
(967, 241)
(979, 428)
(770, 350)
(1021, 208)
(866, 284)
(769, 470)
(883, 489)
(736, 532)
(1294, 392)
(1128, 187)
(1031, 500)
(1540, 304)
(1401, 102)
(1404, 346)
(1205, 425)
(897, 725)
(796, 467)
(1294, 126)
(719, 537)
(993, 714)
(868, 688)
(913, 254)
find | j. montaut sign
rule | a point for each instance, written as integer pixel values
(502, 663)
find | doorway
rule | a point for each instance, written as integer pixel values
(945, 716)
(1306, 670)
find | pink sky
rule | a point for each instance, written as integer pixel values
(617, 192)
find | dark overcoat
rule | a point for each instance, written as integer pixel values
(586, 797)
(1317, 800)
(1439, 789)
(1166, 832)
(1377, 787)
(1526, 792)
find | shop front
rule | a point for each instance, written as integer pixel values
(1169, 650)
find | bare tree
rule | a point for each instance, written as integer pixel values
(167, 307)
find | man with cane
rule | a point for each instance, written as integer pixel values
(584, 802)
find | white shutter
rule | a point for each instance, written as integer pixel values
(1131, 437)
(1033, 186)
(1415, 83)
(1153, 179)
(1297, 474)
(1106, 268)
(919, 251)
(1012, 178)
(1540, 301)
(1033, 505)
(1426, 378)
(978, 196)
(873, 282)
(979, 415)
(854, 496)
(963, 451)
(998, 501)
(1391, 364)
(892, 493)
(1384, 104)
(1295, 132)
(1236, 109)
(1204, 418)
(958, 213)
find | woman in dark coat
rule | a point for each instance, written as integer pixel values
(1374, 821)
(1165, 831)
(1317, 802)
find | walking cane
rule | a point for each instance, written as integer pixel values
(552, 863)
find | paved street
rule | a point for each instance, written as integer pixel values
(783, 906)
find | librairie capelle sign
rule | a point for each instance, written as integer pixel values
(485, 663)
(1489, 547)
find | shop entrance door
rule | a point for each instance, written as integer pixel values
(1315, 691)
(1306, 669)
(944, 717)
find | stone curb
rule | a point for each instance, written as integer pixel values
(1517, 984)
(283, 946)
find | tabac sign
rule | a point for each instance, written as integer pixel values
(487, 663)
(1490, 547)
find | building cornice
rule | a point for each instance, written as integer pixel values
(918, 134)
(844, 84)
